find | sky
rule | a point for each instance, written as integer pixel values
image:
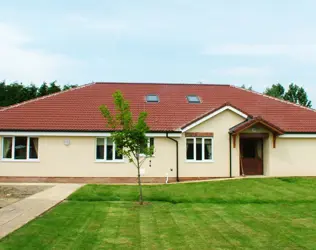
(251, 42)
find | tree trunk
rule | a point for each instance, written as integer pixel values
(139, 184)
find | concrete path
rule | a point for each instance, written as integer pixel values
(18, 214)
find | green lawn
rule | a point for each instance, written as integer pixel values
(276, 213)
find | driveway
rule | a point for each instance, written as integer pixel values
(21, 212)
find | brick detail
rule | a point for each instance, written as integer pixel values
(96, 180)
(199, 134)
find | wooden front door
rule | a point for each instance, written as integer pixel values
(251, 156)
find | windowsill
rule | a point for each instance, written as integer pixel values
(109, 161)
(204, 161)
(14, 160)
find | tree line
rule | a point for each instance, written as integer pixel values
(294, 93)
(18, 92)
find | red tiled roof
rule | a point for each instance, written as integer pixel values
(78, 109)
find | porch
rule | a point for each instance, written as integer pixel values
(253, 141)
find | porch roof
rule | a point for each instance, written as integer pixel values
(253, 121)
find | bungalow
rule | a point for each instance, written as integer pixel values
(199, 131)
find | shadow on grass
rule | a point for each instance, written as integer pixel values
(284, 190)
(206, 201)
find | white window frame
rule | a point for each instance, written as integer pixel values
(198, 99)
(105, 151)
(158, 100)
(13, 149)
(194, 149)
(148, 145)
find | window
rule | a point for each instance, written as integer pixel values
(109, 149)
(150, 143)
(106, 150)
(100, 148)
(193, 99)
(199, 149)
(152, 98)
(190, 149)
(20, 148)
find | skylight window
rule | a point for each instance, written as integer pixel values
(193, 99)
(152, 98)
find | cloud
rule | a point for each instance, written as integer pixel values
(244, 71)
(21, 63)
(247, 49)
(96, 24)
(295, 51)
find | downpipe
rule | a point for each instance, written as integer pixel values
(177, 156)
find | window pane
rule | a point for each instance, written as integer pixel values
(152, 98)
(198, 149)
(249, 148)
(117, 155)
(109, 149)
(100, 149)
(33, 150)
(193, 99)
(190, 149)
(142, 148)
(208, 149)
(151, 142)
(20, 148)
(7, 148)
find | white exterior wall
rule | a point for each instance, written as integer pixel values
(78, 160)
(291, 157)
(219, 125)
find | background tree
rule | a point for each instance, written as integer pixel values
(130, 136)
(43, 90)
(53, 88)
(69, 86)
(244, 87)
(30, 92)
(13, 94)
(297, 95)
(17, 92)
(276, 90)
(2, 93)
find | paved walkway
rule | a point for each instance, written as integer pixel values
(17, 214)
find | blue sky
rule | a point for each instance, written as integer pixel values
(256, 43)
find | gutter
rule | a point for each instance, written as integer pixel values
(76, 133)
(177, 155)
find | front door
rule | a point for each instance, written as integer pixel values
(251, 156)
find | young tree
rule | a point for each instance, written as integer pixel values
(130, 135)
(276, 90)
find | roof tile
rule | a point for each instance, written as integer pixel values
(78, 109)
